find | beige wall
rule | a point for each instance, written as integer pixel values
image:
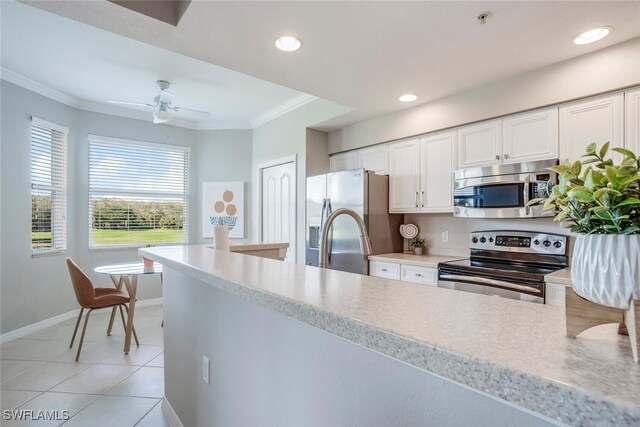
(317, 152)
(605, 70)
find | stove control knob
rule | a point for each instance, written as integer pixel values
(557, 244)
(546, 243)
(490, 239)
(482, 239)
(536, 242)
(474, 240)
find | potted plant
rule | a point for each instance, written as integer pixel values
(148, 263)
(417, 244)
(600, 200)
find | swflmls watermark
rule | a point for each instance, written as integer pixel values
(31, 415)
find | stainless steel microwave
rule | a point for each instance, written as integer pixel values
(503, 191)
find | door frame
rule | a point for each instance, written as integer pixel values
(269, 164)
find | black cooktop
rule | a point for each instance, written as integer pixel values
(511, 270)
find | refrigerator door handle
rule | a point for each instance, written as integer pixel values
(324, 206)
(330, 245)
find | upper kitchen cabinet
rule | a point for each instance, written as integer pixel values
(530, 136)
(437, 160)
(375, 158)
(480, 144)
(404, 176)
(632, 122)
(343, 161)
(593, 120)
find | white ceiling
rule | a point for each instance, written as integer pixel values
(365, 54)
(92, 66)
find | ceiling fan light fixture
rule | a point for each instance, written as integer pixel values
(162, 115)
(288, 43)
(592, 35)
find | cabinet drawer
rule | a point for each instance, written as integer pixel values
(387, 270)
(419, 275)
(555, 293)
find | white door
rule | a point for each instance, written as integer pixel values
(404, 176)
(374, 158)
(343, 161)
(530, 136)
(437, 172)
(480, 144)
(632, 123)
(279, 206)
(593, 120)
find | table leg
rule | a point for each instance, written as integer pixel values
(131, 284)
(118, 284)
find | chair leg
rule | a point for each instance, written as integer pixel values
(113, 316)
(75, 331)
(84, 329)
(133, 328)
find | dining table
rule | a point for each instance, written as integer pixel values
(126, 274)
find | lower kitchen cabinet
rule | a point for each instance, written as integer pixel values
(404, 272)
(555, 293)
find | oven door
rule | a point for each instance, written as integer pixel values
(505, 288)
(501, 196)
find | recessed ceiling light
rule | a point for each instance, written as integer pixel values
(288, 43)
(408, 97)
(592, 35)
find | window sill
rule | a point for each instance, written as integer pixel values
(48, 253)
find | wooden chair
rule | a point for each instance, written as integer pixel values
(94, 299)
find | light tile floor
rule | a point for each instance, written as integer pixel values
(105, 388)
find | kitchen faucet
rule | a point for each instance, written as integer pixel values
(365, 243)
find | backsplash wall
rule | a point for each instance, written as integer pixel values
(431, 227)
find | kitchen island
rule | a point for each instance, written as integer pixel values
(291, 344)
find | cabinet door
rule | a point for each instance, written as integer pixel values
(343, 161)
(437, 162)
(419, 275)
(632, 122)
(593, 120)
(404, 176)
(530, 136)
(375, 159)
(479, 144)
(386, 270)
(555, 293)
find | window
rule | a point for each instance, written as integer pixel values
(138, 193)
(48, 187)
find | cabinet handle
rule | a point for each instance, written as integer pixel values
(418, 274)
(506, 156)
(422, 199)
(497, 157)
(415, 199)
(384, 269)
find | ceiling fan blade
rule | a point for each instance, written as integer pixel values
(192, 112)
(139, 104)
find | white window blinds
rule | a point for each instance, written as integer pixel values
(48, 187)
(138, 193)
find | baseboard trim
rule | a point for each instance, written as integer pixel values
(169, 414)
(35, 327)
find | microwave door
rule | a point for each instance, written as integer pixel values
(492, 197)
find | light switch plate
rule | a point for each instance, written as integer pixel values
(445, 236)
(205, 369)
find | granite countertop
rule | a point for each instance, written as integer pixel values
(562, 277)
(411, 259)
(513, 350)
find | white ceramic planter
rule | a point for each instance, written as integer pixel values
(606, 268)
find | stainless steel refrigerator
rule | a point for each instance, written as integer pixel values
(367, 194)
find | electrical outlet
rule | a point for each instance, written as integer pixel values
(205, 369)
(445, 236)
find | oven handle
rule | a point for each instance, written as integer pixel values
(485, 281)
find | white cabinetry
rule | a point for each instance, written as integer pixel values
(480, 144)
(530, 136)
(404, 176)
(554, 293)
(405, 272)
(593, 120)
(343, 161)
(436, 167)
(420, 174)
(632, 122)
(375, 158)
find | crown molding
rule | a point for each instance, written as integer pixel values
(95, 107)
(279, 110)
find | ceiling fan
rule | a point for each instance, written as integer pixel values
(163, 106)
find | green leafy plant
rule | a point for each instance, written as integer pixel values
(596, 196)
(148, 245)
(417, 242)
